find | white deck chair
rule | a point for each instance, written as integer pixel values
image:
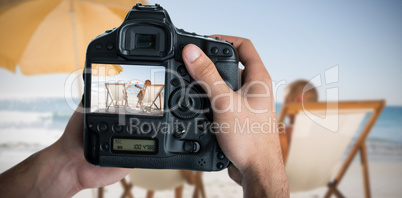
(156, 179)
(318, 145)
(115, 94)
(152, 94)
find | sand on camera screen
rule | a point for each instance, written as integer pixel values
(129, 89)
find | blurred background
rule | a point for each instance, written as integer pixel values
(360, 40)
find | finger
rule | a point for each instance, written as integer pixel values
(235, 174)
(248, 55)
(203, 70)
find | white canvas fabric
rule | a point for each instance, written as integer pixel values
(156, 179)
(315, 151)
(151, 92)
(116, 91)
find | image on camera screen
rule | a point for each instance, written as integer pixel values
(128, 89)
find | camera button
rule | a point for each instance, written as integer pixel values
(188, 107)
(175, 82)
(98, 46)
(214, 50)
(117, 128)
(221, 156)
(220, 166)
(105, 146)
(226, 51)
(196, 147)
(182, 70)
(109, 46)
(188, 146)
(102, 127)
(191, 147)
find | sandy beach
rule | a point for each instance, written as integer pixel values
(385, 179)
(25, 132)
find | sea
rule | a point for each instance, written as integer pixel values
(28, 125)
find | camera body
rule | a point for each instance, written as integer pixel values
(141, 107)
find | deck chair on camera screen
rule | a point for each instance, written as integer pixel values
(116, 95)
(152, 98)
(319, 144)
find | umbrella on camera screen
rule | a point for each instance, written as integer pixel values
(51, 36)
(106, 70)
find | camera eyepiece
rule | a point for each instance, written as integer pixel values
(145, 41)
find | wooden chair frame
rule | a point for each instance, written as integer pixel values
(158, 95)
(359, 145)
(199, 190)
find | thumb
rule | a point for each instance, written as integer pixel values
(203, 70)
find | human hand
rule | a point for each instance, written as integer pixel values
(59, 170)
(71, 146)
(254, 151)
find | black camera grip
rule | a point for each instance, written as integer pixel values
(229, 72)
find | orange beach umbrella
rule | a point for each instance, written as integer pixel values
(51, 36)
(106, 70)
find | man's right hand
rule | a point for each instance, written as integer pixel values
(245, 119)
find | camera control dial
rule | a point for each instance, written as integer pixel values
(185, 103)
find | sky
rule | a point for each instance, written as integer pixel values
(358, 44)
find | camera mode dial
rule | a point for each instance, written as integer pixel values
(185, 103)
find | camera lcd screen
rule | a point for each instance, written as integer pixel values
(128, 89)
(135, 145)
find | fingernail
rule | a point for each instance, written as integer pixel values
(192, 52)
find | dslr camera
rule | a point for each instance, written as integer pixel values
(141, 107)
